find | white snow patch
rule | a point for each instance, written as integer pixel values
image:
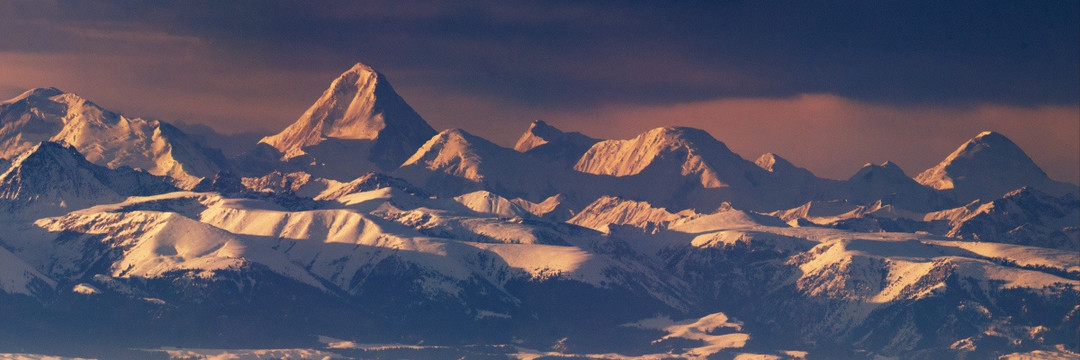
(698, 329)
(480, 314)
(85, 289)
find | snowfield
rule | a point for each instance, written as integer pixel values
(361, 232)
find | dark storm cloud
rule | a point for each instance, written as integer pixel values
(581, 54)
(568, 54)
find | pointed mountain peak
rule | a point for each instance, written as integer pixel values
(539, 123)
(991, 136)
(443, 144)
(886, 169)
(453, 143)
(986, 167)
(553, 144)
(541, 128)
(52, 150)
(455, 136)
(888, 166)
(773, 163)
(456, 133)
(357, 77)
(887, 182)
(455, 162)
(53, 178)
(362, 69)
(49, 156)
(539, 133)
(359, 105)
(46, 92)
(788, 173)
(989, 143)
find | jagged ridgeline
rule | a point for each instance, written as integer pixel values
(360, 224)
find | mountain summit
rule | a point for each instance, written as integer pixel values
(887, 182)
(685, 151)
(30, 118)
(549, 143)
(359, 120)
(987, 167)
(681, 168)
(457, 162)
(53, 178)
(782, 167)
(540, 134)
(102, 136)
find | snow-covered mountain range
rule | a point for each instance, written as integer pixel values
(361, 224)
(103, 137)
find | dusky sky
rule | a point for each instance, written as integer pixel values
(828, 85)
